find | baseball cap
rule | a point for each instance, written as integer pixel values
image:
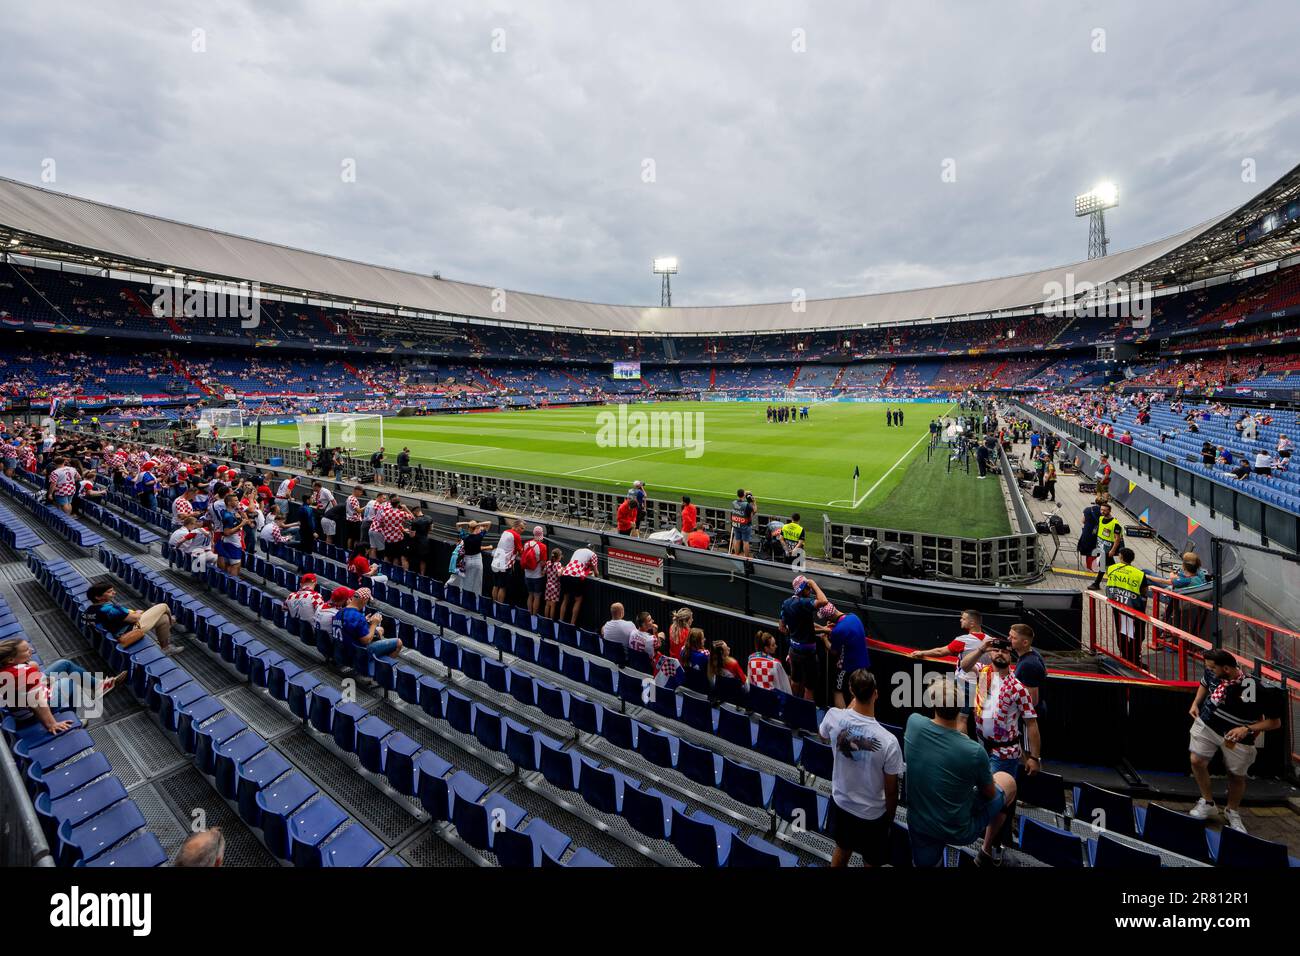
(340, 595)
(307, 578)
(798, 583)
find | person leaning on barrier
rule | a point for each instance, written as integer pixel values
(1127, 585)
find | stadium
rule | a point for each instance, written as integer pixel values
(468, 576)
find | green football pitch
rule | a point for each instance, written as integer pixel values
(709, 449)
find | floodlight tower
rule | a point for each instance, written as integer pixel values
(1094, 204)
(665, 266)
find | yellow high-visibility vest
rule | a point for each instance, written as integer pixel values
(1106, 529)
(791, 531)
(1125, 577)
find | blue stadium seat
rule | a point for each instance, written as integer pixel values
(521, 745)
(758, 853)
(735, 727)
(1107, 853)
(602, 789)
(817, 758)
(1177, 832)
(551, 701)
(1104, 809)
(799, 804)
(1044, 790)
(276, 804)
(521, 687)
(1232, 848)
(650, 812)
(777, 742)
(459, 712)
(745, 784)
(558, 767)
(660, 749)
(582, 858)
(432, 786)
(344, 725)
(524, 848)
(228, 757)
(704, 841)
(310, 826)
(252, 777)
(488, 728)
(372, 735)
(698, 763)
(399, 762)
(431, 692)
(98, 833)
(617, 729)
(477, 823)
(1051, 845)
(584, 714)
(354, 847)
(697, 712)
(141, 852)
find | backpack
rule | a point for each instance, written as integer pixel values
(531, 556)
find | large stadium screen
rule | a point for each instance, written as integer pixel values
(627, 370)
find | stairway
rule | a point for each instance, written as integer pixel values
(184, 373)
(988, 382)
(143, 309)
(713, 377)
(839, 378)
(356, 372)
(495, 383)
(795, 377)
(888, 375)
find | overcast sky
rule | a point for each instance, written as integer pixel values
(787, 145)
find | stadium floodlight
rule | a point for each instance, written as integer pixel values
(1093, 204)
(664, 266)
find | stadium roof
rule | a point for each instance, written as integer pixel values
(47, 222)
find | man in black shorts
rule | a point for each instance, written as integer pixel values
(798, 617)
(864, 781)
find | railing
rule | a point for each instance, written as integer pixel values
(1273, 525)
(1161, 651)
(1245, 636)
(22, 841)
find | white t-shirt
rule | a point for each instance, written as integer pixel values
(619, 632)
(858, 781)
(189, 541)
(1262, 460)
(968, 643)
(503, 555)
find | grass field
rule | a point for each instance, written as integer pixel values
(804, 466)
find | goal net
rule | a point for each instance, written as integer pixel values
(358, 435)
(229, 423)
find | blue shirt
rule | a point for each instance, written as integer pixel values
(349, 626)
(798, 614)
(112, 617)
(849, 640)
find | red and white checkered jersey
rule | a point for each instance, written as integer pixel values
(583, 565)
(389, 522)
(322, 498)
(64, 480)
(1000, 704)
(182, 508)
(352, 511)
(303, 604)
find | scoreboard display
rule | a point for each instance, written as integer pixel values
(627, 371)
